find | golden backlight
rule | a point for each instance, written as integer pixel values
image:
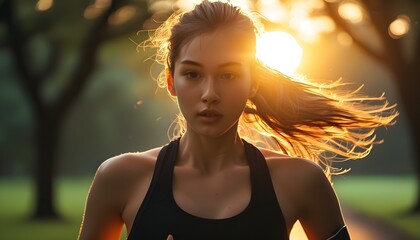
(279, 50)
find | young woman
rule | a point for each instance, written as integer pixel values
(210, 182)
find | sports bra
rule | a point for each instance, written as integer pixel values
(159, 215)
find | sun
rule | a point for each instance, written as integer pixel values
(279, 50)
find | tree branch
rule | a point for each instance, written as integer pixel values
(132, 25)
(129, 27)
(53, 61)
(17, 44)
(380, 18)
(332, 11)
(85, 66)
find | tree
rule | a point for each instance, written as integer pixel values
(106, 21)
(404, 67)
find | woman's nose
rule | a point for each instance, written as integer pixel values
(210, 92)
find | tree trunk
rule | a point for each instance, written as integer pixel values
(414, 126)
(408, 85)
(49, 115)
(47, 130)
(416, 140)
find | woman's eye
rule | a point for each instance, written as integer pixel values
(192, 75)
(228, 76)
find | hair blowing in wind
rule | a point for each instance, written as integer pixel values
(324, 122)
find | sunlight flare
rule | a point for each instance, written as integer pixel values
(279, 50)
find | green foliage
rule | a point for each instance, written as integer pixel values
(119, 109)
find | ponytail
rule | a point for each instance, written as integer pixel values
(317, 121)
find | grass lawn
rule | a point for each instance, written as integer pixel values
(384, 197)
(387, 198)
(16, 204)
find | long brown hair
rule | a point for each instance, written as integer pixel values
(318, 121)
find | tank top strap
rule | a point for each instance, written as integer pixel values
(164, 170)
(263, 192)
(160, 187)
(259, 172)
(260, 175)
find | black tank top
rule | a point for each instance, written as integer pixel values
(159, 215)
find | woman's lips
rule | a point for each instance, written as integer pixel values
(209, 116)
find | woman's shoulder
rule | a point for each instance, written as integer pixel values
(300, 177)
(124, 167)
(301, 186)
(119, 185)
(299, 167)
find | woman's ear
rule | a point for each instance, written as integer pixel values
(170, 82)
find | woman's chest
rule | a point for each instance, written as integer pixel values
(214, 197)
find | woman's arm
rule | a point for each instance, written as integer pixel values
(305, 194)
(321, 213)
(102, 217)
(118, 189)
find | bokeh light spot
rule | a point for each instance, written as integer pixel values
(399, 27)
(351, 12)
(44, 5)
(122, 15)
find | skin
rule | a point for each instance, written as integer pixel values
(205, 81)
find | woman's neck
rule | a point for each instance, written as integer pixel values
(210, 154)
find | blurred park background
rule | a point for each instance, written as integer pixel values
(75, 90)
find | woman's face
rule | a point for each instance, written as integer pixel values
(212, 82)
